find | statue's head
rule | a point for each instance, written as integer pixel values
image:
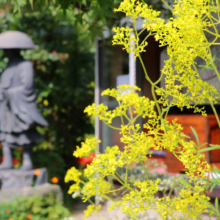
(14, 41)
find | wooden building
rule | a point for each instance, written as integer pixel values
(114, 67)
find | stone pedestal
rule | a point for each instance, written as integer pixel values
(16, 183)
(41, 190)
(17, 179)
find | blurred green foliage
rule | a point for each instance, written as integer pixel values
(64, 33)
(34, 208)
(64, 81)
(92, 15)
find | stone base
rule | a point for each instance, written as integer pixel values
(42, 190)
(17, 179)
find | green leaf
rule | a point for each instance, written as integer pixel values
(206, 67)
(125, 192)
(215, 145)
(213, 186)
(214, 181)
(187, 136)
(91, 8)
(167, 128)
(195, 134)
(216, 205)
(211, 211)
(203, 144)
(32, 4)
(210, 148)
(205, 186)
(216, 170)
(185, 183)
(212, 175)
(108, 13)
(214, 58)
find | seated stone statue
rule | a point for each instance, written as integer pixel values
(19, 115)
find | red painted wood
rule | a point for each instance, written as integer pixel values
(208, 132)
(214, 138)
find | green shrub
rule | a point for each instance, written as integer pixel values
(34, 208)
(63, 66)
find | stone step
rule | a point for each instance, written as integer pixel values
(17, 179)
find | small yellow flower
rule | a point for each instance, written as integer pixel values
(45, 102)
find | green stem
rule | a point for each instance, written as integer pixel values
(146, 38)
(81, 181)
(161, 76)
(195, 68)
(132, 120)
(217, 73)
(169, 194)
(91, 201)
(167, 5)
(215, 112)
(122, 120)
(152, 84)
(127, 118)
(126, 178)
(136, 33)
(145, 71)
(144, 170)
(211, 103)
(217, 21)
(216, 31)
(147, 77)
(107, 197)
(214, 44)
(155, 99)
(211, 32)
(112, 126)
(116, 190)
(142, 31)
(119, 180)
(217, 3)
(176, 155)
(168, 110)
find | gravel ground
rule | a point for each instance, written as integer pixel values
(104, 214)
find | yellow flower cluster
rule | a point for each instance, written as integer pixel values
(87, 147)
(135, 9)
(139, 199)
(126, 97)
(184, 36)
(73, 175)
(185, 40)
(104, 164)
(95, 186)
(188, 204)
(92, 209)
(137, 147)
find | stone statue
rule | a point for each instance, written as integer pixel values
(19, 115)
